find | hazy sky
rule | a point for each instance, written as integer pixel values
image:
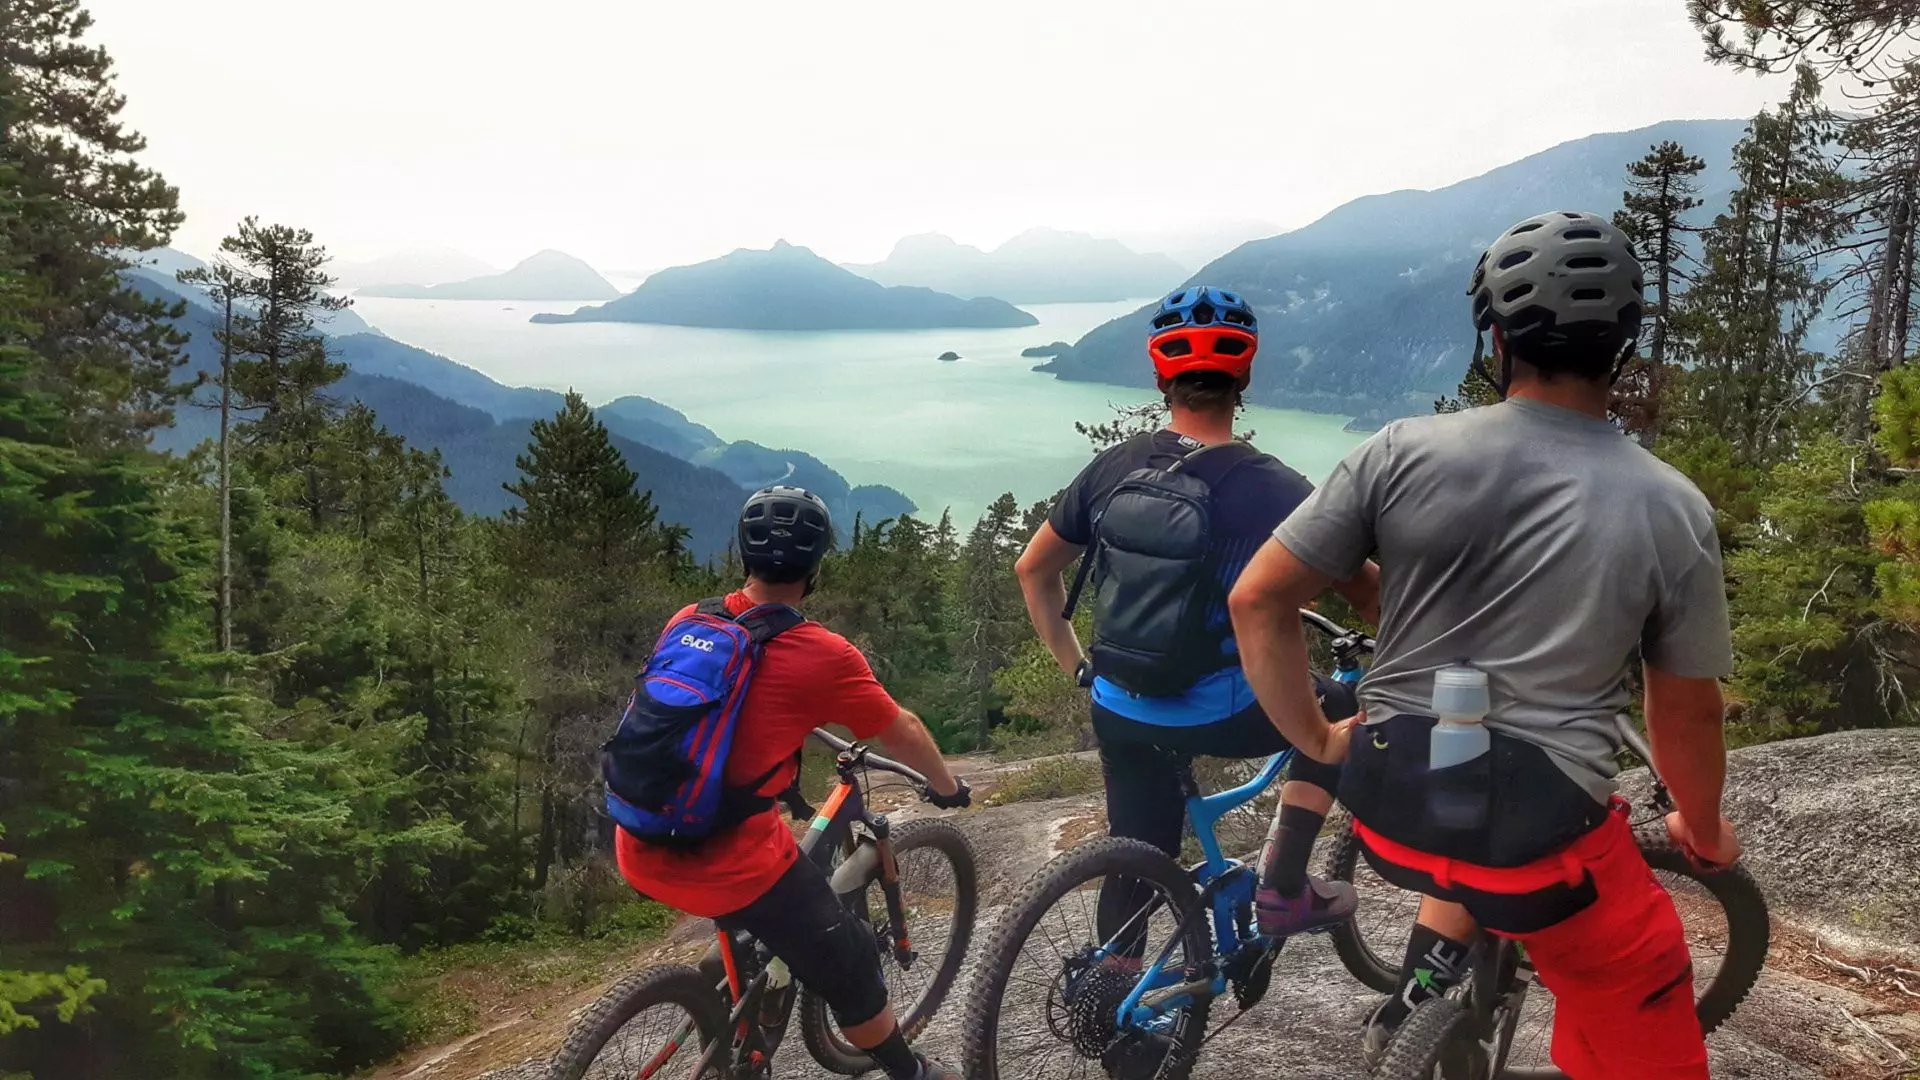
(637, 133)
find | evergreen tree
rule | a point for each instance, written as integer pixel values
(595, 575)
(1884, 144)
(1661, 189)
(1746, 316)
(82, 202)
(279, 367)
(1865, 37)
(993, 617)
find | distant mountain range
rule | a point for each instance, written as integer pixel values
(161, 265)
(789, 288)
(423, 267)
(548, 275)
(1040, 266)
(1197, 245)
(480, 427)
(1364, 311)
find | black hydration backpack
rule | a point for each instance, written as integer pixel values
(1155, 575)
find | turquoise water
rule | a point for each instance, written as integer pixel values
(875, 405)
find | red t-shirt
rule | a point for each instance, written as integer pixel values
(808, 676)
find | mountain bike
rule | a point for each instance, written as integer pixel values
(1101, 985)
(912, 885)
(1499, 1022)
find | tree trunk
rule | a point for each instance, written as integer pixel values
(1901, 298)
(226, 480)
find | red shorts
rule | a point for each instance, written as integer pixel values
(1619, 969)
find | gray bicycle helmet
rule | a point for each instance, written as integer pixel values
(1559, 278)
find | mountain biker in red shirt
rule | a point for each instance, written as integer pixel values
(750, 877)
(1534, 542)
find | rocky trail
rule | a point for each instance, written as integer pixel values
(1832, 828)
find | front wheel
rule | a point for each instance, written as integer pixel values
(939, 893)
(1372, 943)
(1435, 1043)
(1061, 962)
(654, 1024)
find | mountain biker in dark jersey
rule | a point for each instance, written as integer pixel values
(1202, 342)
(1534, 541)
(750, 877)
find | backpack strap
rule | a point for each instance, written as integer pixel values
(715, 606)
(764, 622)
(1214, 462)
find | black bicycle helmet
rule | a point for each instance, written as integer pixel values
(784, 533)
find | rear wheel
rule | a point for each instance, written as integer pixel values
(939, 893)
(654, 1024)
(1728, 932)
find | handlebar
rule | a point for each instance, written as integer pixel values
(868, 758)
(1347, 644)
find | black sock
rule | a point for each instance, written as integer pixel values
(1434, 964)
(894, 1056)
(1291, 846)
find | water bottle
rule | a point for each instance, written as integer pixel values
(1458, 765)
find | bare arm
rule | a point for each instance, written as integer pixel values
(1363, 592)
(908, 741)
(1039, 569)
(1265, 605)
(1685, 725)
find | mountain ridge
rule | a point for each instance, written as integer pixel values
(787, 287)
(543, 276)
(1400, 259)
(481, 427)
(1039, 266)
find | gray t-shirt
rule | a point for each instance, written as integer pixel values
(1539, 544)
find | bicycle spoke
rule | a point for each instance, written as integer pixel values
(646, 1045)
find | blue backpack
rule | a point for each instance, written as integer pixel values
(666, 763)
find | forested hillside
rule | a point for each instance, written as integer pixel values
(282, 722)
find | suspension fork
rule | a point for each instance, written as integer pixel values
(890, 890)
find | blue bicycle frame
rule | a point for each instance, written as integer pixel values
(1226, 892)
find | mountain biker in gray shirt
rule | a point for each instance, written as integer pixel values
(1536, 542)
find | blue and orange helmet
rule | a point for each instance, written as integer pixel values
(1203, 328)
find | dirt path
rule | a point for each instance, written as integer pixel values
(1808, 1019)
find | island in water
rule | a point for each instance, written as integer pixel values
(549, 275)
(949, 356)
(1038, 351)
(790, 288)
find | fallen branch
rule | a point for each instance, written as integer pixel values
(1903, 1059)
(1860, 973)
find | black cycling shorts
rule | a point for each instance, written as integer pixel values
(1142, 762)
(828, 950)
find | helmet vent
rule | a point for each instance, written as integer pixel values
(1203, 314)
(1515, 258)
(1237, 318)
(1171, 318)
(1589, 294)
(1526, 227)
(1587, 262)
(1176, 347)
(1229, 346)
(1581, 234)
(1516, 292)
(1572, 214)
